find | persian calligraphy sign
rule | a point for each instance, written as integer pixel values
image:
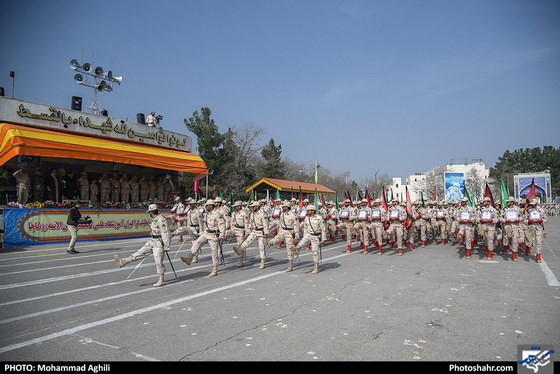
(34, 114)
(24, 227)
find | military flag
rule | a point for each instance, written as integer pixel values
(409, 220)
(503, 192)
(384, 201)
(488, 193)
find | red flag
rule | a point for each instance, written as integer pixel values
(384, 201)
(532, 191)
(408, 203)
(368, 198)
(300, 198)
(435, 195)
(350, 198)
(530, 195)
(488, 193)
(409, 220)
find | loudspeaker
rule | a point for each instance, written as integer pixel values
(76, 103)
(98, 71)
(78, 78)
(74, 64)
(87, 67)
(140, 118)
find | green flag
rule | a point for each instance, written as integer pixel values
(468, 197)
(503, 193)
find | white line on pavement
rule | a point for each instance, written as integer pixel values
(137, 312)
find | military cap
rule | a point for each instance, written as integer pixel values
(151, 208)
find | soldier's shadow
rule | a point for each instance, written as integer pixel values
(308, 266)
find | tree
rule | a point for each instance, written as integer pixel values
(210, 142)
(528, 160)
(243, 159)
(273, 166)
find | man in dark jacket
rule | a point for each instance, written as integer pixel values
(72, 223)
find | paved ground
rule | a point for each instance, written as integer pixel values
(431, 304)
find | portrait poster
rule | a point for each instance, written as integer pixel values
(454, 186)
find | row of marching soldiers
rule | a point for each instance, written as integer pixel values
(307, 227)
(515, 226)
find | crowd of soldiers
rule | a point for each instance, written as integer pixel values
(118, 188)
(519, 225)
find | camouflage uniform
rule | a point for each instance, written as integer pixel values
(315, 233)
(214, 231)
(535, 218)
(158, 244)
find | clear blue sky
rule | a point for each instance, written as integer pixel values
(400, 86)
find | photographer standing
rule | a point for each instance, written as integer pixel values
(74, 216)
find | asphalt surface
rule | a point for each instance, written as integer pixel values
(430, 304)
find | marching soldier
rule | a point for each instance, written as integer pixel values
(223, 209)
(488, 216)
(362, 222)
(465, 217)
(452, 213)
(431, 226)
(396, 216)
(315, 233)
(522, 225)
(158, 244)
(422, 219)
(448, 219)
(346, 217)
(274, 218)
(214, 231)
(410, 230)
(510, 218)
(238, 222)
(440, 214)
(191, 224)
(288, 232)
(177, 212)
(330, 220)
(535, 218)
(257, 230)
(378, 216)
(295, 207)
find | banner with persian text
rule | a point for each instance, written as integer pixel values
(23, 227)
